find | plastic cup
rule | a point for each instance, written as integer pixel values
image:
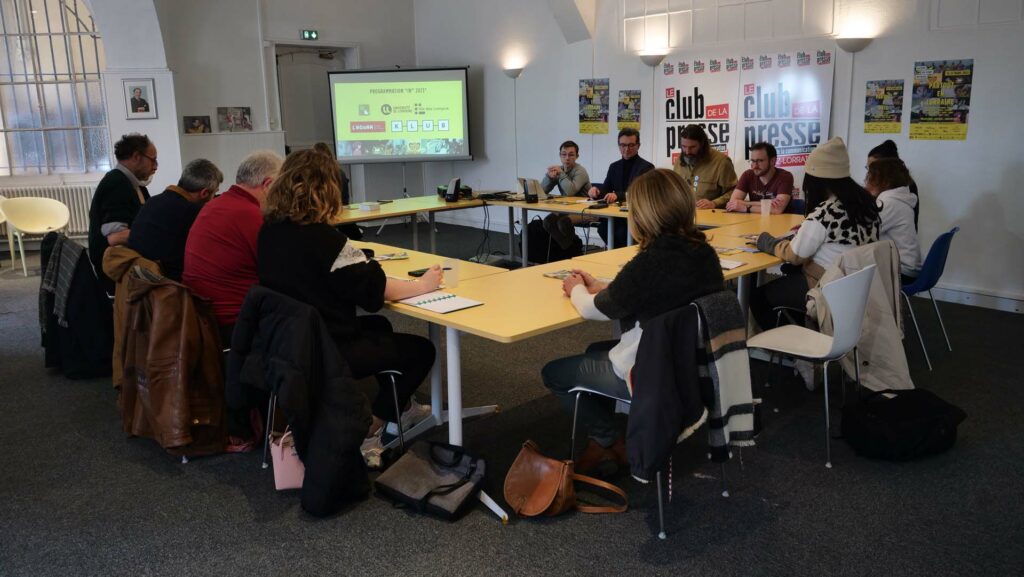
(451, 272)
(766, 207)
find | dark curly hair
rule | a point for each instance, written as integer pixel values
(130, 144)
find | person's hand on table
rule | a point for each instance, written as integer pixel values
(554, 172)
(594, 192)
(733, 206)
(611, 197)
(593, 285)
(703, 204)
(570, 282)
(431, 279)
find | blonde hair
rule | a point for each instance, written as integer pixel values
(660, 203)
(306, 191)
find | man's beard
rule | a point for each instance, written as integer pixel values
(689, 160)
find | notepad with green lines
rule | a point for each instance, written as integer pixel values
(441, 302)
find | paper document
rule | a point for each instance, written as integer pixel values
(441, 302)
(727, 264)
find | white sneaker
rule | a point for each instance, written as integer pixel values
(373, 449)
(410, 417)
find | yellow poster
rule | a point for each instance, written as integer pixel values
(594, 96)
(941, 102)
(629, 109)
(883, 107)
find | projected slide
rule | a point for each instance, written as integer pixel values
(400, 116)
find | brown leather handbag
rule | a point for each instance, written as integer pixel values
(539, 485)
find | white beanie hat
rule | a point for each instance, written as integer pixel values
(829, 160)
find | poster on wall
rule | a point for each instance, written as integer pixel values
(883, 107)
(594, 95)
(782, 97)
(941, 102)
(629, 110)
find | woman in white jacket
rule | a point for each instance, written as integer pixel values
(888, 180)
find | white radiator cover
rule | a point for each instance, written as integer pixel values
(76, 197)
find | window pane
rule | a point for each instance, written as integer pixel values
(65, 151)
(27, 153)
(97, 149)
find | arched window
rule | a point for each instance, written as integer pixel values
(52, 114)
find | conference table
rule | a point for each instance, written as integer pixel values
(410, 206)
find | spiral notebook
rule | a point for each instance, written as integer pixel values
(441, 302)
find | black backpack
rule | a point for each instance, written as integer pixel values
(541, 248)
(908, 425)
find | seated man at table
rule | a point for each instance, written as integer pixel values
(709, 173)
(762, 180)
(620, 175)
(220, 253)
(572, 180)
(161, 227)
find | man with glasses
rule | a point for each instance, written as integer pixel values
(709, 173)
(161, 227)
(620, 174)
(570, 178)
(762, 180)
(118, 198)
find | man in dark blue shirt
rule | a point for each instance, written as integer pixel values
(161, 227)
(620, 174)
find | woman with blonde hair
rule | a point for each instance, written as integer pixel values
(301, 255)
(673, 266)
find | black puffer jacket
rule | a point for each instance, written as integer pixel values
(282, 345)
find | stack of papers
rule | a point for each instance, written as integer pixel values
(441, 302)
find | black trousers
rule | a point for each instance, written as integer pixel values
(378, 348)
(788, 291)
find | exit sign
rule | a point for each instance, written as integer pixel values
(310, 35)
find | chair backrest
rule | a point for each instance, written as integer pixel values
(847, 298)
(796, 206)
(36, 215)
(934, 263)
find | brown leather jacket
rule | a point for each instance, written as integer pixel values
(117, 261)
(172, 382)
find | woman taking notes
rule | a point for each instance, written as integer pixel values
(673, 266)
(301, 255)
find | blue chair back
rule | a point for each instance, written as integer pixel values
(934, 264)
(796, 206)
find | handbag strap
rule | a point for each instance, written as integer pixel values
(608, 487)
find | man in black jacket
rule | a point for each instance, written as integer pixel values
(118, 198)
(620, 174)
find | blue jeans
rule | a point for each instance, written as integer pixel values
(594, 371)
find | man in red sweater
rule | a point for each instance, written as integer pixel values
(220, 253)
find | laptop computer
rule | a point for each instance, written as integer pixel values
(531, 186)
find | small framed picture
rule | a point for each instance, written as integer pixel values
(196, 124)
(140, 98)
(234, 119)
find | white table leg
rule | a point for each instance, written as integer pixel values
(629, 237)
(525, 215)
(436, 387)
(511, 233)
(611, 232)
(743, 286)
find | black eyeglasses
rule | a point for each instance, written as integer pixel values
(151, 158)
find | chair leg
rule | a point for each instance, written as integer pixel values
(725, 487)
(21, 249)
(271, 408)
(572, 435)
(10, 244)
(938, 316)
(661, 508)
(920, 337)
(856, 369)
(828, 425)
(398, 413)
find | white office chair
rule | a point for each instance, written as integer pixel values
(847, 299)
(10, 235)
(32, 215)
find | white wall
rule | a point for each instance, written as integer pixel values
(969, 183)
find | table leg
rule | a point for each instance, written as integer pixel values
(454, 386)
(611, 233)
(433, 233)
(743, 286)
(436, 387)
(415, 231)
(511, 233)
(525, 214)
(629, 237)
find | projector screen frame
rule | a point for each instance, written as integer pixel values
(396, 159)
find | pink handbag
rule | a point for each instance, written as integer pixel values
(288, 469)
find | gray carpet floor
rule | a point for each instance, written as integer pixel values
(78, 497)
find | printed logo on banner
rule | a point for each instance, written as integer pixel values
(748, 63)
(681, 111)
(716, 65)
(770, 115)
(731, 65)
(824, 57)
(698, 66)
(784, 60)
(667, 69)
(803, 58)
(765, 62)
(684, 67)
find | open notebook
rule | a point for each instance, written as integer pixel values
(441, 302)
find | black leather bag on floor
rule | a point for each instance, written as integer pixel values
(901, 425)
(434, 478)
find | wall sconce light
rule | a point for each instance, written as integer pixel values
(853, 45)
(652, 59)
(513, 73)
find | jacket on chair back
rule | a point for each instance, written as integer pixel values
(117, 262)
(282, 345)
(172, 388)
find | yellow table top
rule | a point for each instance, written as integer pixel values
(776, 224)
(572, 205)
(400, 268)
(518, 304)
(752, 262)
(401, 207)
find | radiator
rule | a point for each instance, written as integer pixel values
(76, 197)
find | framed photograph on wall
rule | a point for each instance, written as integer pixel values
(234, 119)
(139, 98)
(197, 124)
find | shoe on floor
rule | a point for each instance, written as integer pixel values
(597, 461)
(373, 450)
(410, 417)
